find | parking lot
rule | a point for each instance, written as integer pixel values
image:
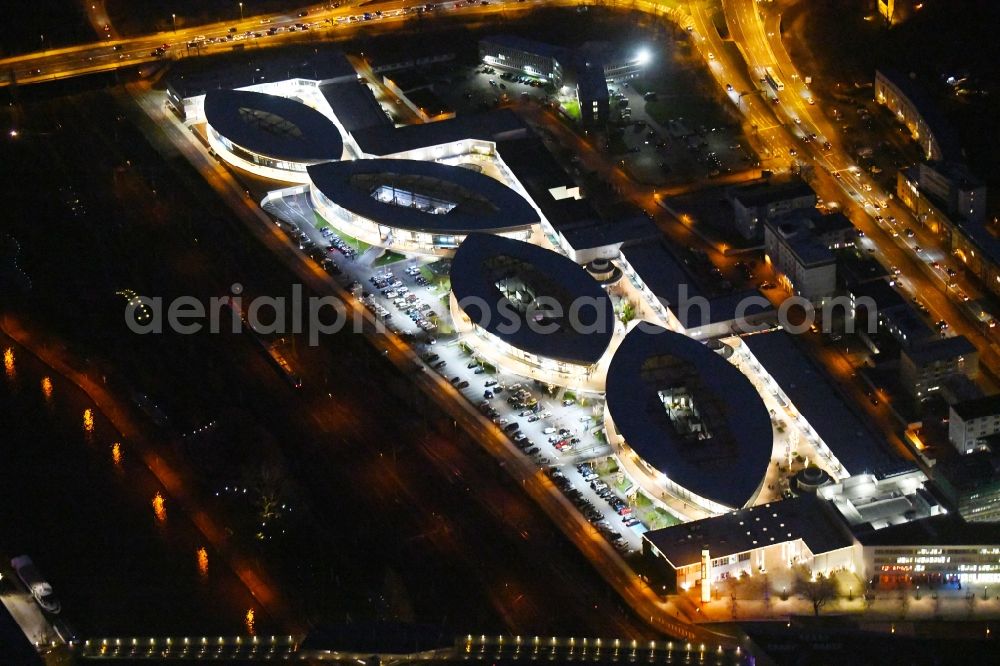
(560, 430)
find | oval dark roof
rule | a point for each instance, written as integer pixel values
(499, 282)
(467, 201)
(273, 126)
(729, 464)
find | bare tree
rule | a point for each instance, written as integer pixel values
(269, 486)
(819, 590)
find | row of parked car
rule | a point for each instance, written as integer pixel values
(418, 277)
(338, 243)
(521, 398)
(587, 508)
(420, 313)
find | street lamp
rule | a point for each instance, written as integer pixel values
(241, 11)
(174, 18)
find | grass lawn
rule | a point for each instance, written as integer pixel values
(641, 86)
(623, 487)
(388, 257)
(572, 109)
(606, 467)
(661, 111)
(658, 519)
(442, 281)
(358, 245)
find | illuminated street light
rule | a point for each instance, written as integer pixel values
(241, 11)
(174, 18)
(643, 56)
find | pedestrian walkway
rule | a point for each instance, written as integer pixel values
(371, 255)
(910, 604)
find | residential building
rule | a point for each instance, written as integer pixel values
(942, 188)
(878, 302)
(951, 203)
(907, 100)
(970, 422)
(925, 366)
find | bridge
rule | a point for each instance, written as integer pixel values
(495, 649)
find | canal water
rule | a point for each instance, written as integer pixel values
(122, 561)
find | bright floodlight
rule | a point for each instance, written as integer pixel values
(643, 56)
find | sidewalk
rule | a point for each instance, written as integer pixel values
(886, 605)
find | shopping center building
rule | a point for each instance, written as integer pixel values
(268, 135)
(532, 311)
(889, 529)
(416, 207)
(685, 423)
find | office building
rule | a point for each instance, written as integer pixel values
(756, 202)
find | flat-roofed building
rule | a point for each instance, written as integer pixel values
(414, 206)
(909, 103)
(804, 264)
(971, 483)
(942, 188)
(587, 69)
(970, 422)
(844, 442)
(949, 201)
(511, 53)
(532, 311)
(271, 136)
(940, 549)
(803, 531)
(269, 71)
(756, 202)
(687, 424)
(924, 367)
(675, 298)
(870, 502)
(416, 92)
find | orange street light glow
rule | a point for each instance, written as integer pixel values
(116, 454)
(8, 361)
(88, 421)
(202, 562)
(47, 388)
(159, 507)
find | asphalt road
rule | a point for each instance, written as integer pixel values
(110, 54)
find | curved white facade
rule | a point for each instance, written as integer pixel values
(425, 243)
(255, 163)
(587, 378)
